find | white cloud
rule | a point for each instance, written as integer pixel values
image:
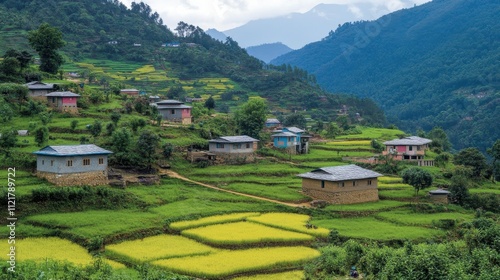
(226, 14)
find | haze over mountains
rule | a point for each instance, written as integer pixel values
(298, 29)
(435, 64)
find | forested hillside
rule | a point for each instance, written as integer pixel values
(105, 29)
(101, 28)
(433, 65)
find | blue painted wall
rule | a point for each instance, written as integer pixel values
(60, 164)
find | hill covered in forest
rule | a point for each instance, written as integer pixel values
(434, 64)
(108, 30)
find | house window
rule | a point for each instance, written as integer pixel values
(236, 146)
(173, 112)
(248, 145)
(369, 182)
(411, 148)
(101, 160)
(220, 146)
(353, 183)
(43, 162)
(51, 163)
(322, 184)
(69, 163)
(86, 161)
(341, 184)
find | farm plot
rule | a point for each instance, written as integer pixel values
(217, 219)
(244, 233)
(282, 192)
(156, 247)
(289, 275)
(368, 206)
(371, 228)
(381, 134)
(225, 263)
(289, 221)
(40, 249)
(421, 219)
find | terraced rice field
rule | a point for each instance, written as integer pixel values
(289, 221)
(225, 263)
(156, 247)
(217, 219)
(244, 233)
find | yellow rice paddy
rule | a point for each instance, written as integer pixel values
(218, 219)
(289, 221)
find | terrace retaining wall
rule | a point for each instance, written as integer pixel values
(344, 197)
(93, 178)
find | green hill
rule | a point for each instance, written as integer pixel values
(103, 37)
(434, 64)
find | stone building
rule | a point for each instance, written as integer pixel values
(174, 111)
(38, 90)
(64, 101)
(410, 148)
(439, 196)
(341, 184)
(240, 147)
(75, 165)
(130, 91)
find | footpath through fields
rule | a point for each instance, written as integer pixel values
(173, 174)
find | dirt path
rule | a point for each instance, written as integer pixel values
(173, 174)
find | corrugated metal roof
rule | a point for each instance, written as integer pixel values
(340, 173)
(169, 102)
(72, 150)
(273, 121)
(62, 94)
(234, 139)
(39, 85)
(411, 140)
(284, 134)
(439, 192)
(180, 106)
(129, 89)
(294, 129)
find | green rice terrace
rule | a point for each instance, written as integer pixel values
(221, 221)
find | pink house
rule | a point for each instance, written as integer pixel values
(408, 148)
(64, 101)
(130, 91)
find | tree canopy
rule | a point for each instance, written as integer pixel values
(46, 40)
(418, 178)
(251, 117)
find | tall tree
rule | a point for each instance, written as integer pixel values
(251, 117)
(494, 151)
(46, 40)
(8, 139)
(210, 103)
(147, 144)
(418, 178)
(471, 157)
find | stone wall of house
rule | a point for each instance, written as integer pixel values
(93, 178)
(346, 197)
(439, 199)
(234, 158)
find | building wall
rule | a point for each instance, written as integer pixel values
(186, 113)
(439, 198)
(232, 149)
(38, 92)
(283, 141)
(334, 192)
(93, 178)
(171, 114)
(59, 165)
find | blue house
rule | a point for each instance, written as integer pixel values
(272, 123)
(292, 139)
(73, 165)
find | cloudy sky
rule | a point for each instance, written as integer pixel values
(227, 14)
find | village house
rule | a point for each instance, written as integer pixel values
(64, 101)
(272, 123)
(439, 196)
(154, 98)
(174, 111)
(130, 91)
(38, 90)
(234, 147)
(410, 148)
(74, 165)
(292, 139)
(346, 184)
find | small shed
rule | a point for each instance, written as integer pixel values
(38, 90)
(130, 91)
(64, 101)
(439, 196)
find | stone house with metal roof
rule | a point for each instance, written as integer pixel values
(73, 165)
(271, 123)
(410, 148)
(64, 101)
(38, 90)
(346, 184)
(174, 111)
(130, 91)
(292, 139)
(240, 147)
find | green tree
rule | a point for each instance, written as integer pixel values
(210, 103)
(10, 67)
(6, 112)
(459, 189)
(45, 117)
(110, 127)
(418, 178)
(494, 152)
(8, 140)
(296, 119)
(73, 124)
(46, 40)
(332, 130)
(251, 117)
(41, 136)
(471, 157)
(115, 117)
(122, 142)
(95, 128)
(439, 139)
(146, 147)
(168, 149)
(176, 92)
